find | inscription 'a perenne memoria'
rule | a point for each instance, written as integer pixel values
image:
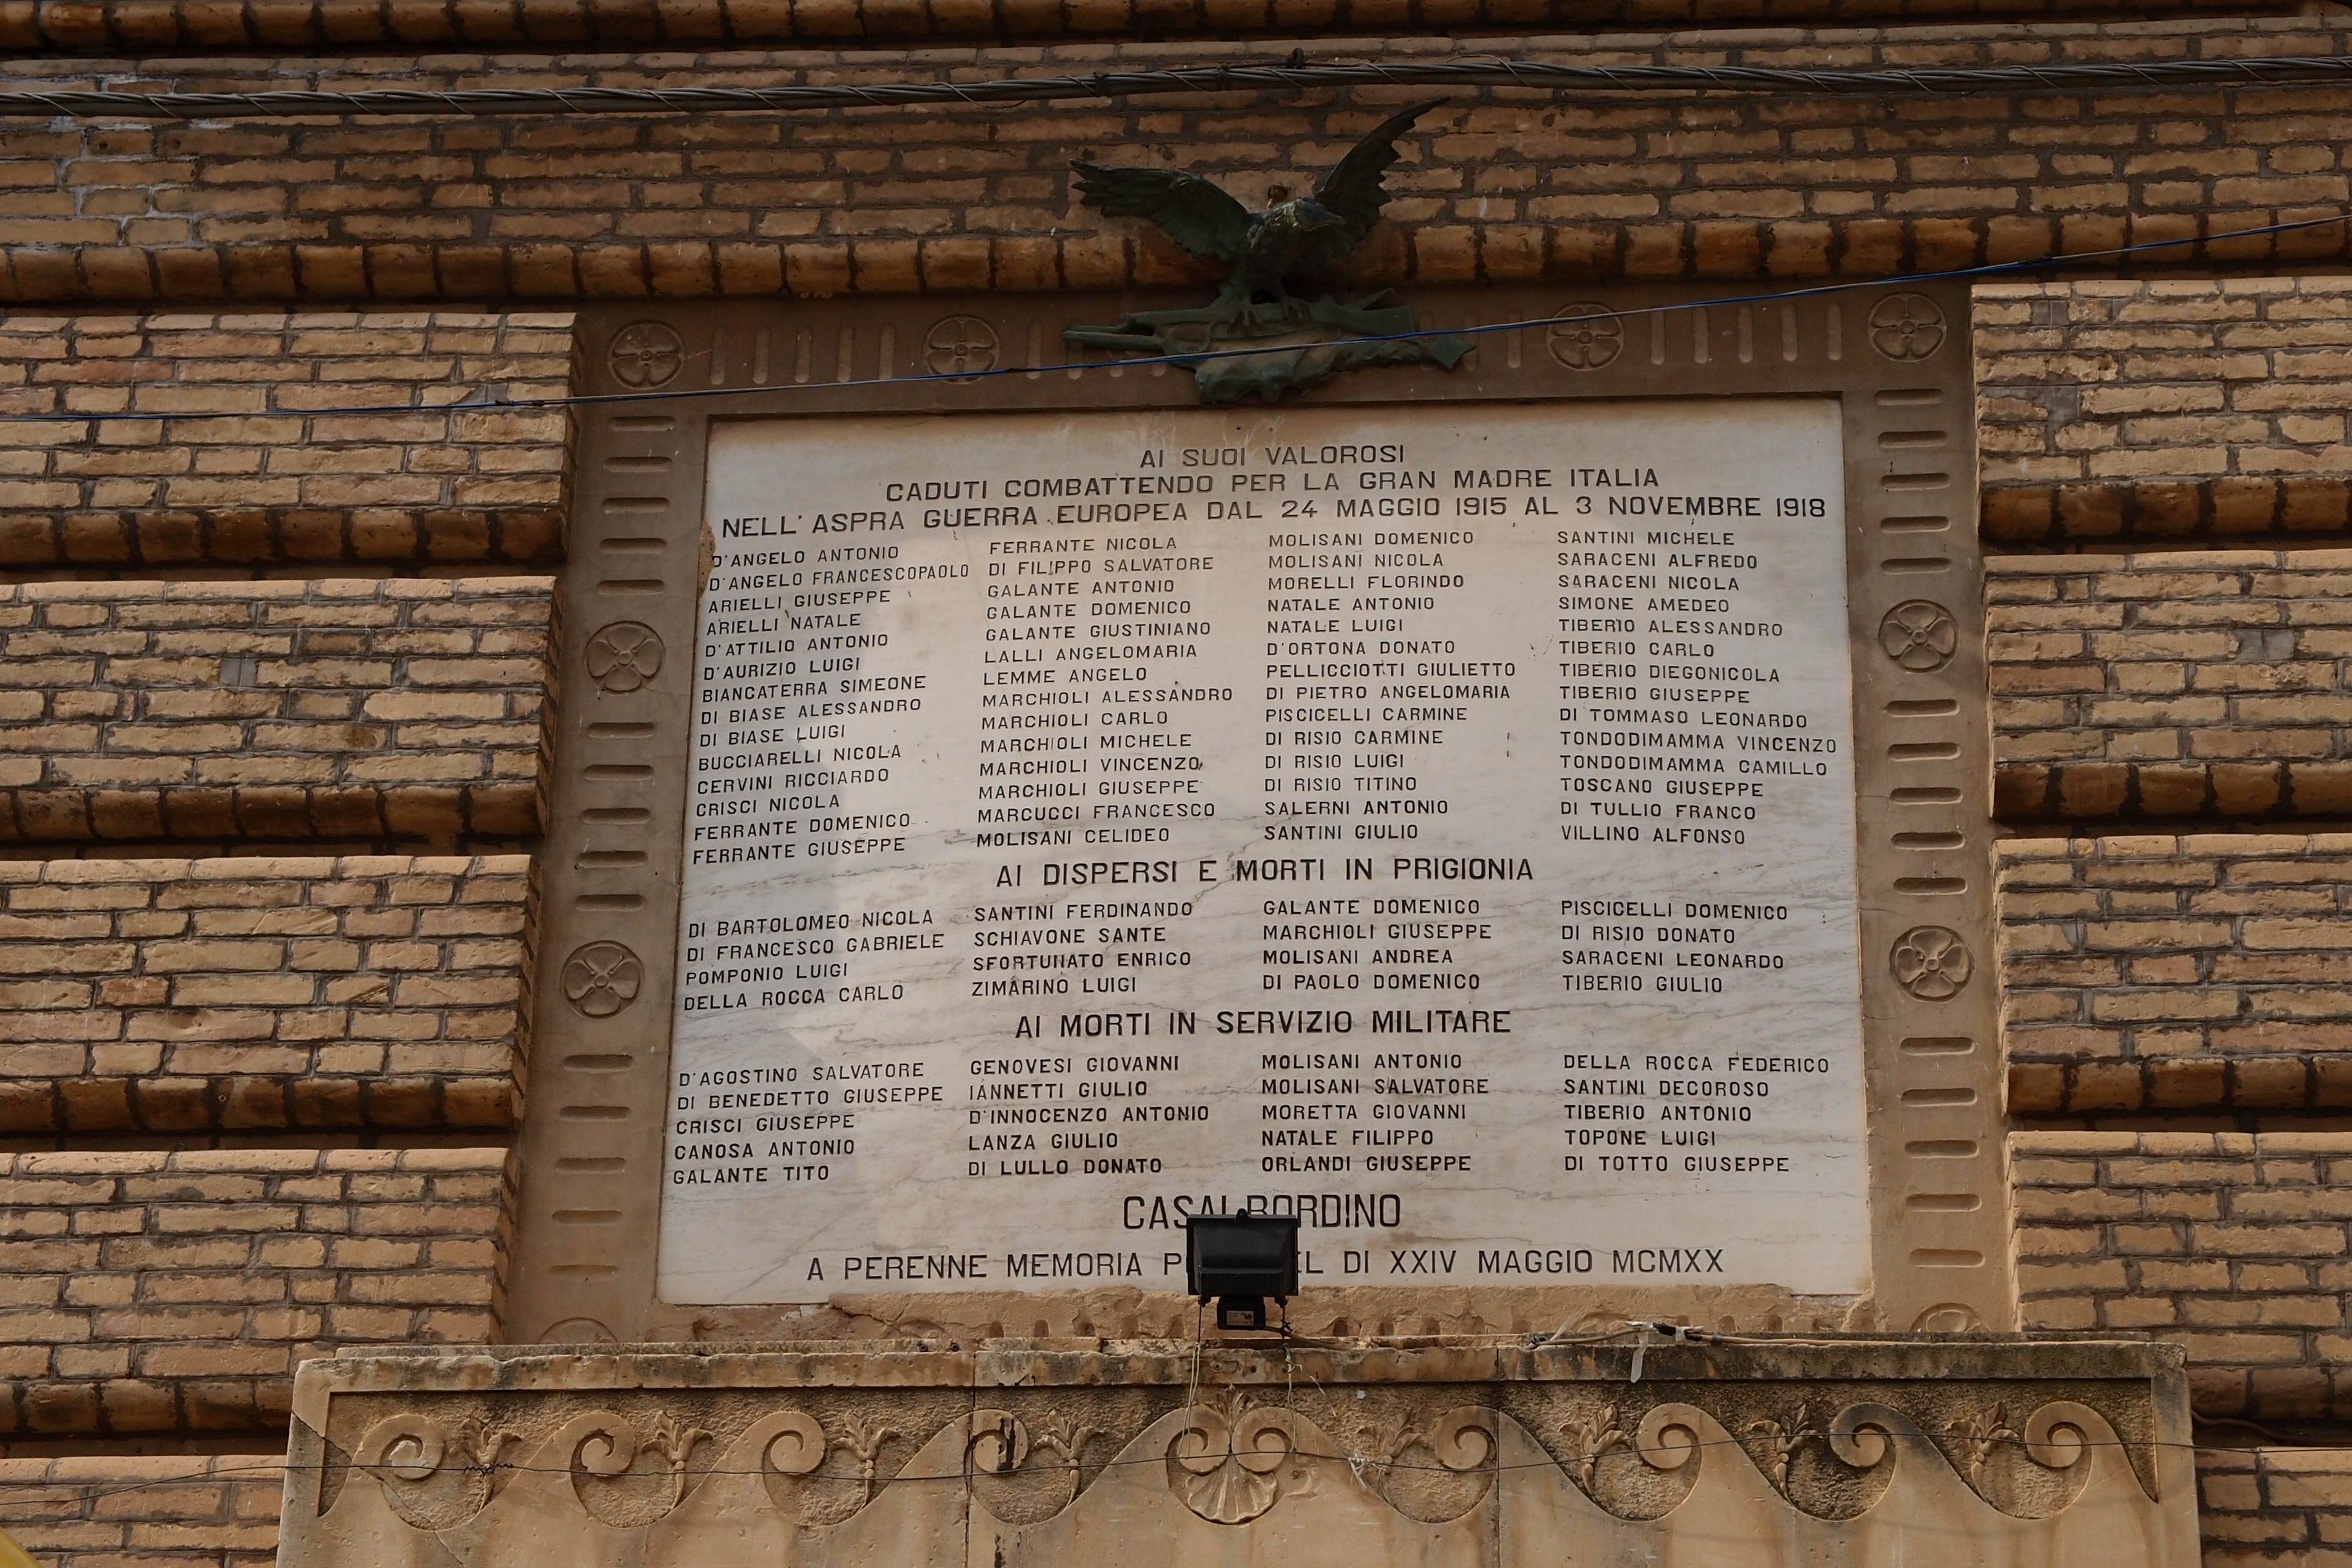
(1436, 823)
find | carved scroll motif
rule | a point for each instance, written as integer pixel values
(488, 1491)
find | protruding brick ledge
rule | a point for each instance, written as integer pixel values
(2236, 1246)
(2151, 513)
(158, 1511)
(2140, 412)
(245, 994)
(2170, 685)
(174, 1292)
(237, 467)
(330, 709)
(2176, 974)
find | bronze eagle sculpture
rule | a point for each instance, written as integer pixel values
(1264, 251)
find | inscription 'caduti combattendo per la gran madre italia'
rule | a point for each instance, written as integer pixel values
(1434, 821)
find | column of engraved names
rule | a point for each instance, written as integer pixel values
(797, 699)
(1089, 771)
(1372, 578)
(1676, 742)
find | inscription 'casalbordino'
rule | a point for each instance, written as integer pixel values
(1436, 823)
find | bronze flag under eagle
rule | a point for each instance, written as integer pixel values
(1256, 335)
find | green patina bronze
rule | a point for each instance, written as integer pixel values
(1257, 336)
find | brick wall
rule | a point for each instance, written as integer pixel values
(278, 482)
(1502, 183)
(150, 1292)
(189, 996)
(2280, 1505)
(167, 1511)
(2164, 411)
(2171, 685)
(163, 24)
(2164, 974)
(340, 707)
(2237, 1245)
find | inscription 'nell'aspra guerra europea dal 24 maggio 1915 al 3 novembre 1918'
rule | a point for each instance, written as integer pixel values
(1437, 822)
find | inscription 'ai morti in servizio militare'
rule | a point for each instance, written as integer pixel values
(1436, 823)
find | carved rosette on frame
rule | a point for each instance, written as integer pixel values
(1585, 336)
(515, 1459)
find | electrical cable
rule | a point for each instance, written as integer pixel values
(1557, 77)
(471, 405)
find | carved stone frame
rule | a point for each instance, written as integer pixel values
(1029, 1452)
(1895, 357)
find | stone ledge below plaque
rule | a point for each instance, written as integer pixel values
(1085, 1309)
(1976, 1451)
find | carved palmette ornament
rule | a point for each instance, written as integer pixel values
(1227, 1462)
(1590, 1438)
(863, 1436)
(1774, 1443)
(1975, 1436)
(751, 1495)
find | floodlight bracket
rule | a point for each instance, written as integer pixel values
(1239, 1261)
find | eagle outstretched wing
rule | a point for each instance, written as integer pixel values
(1353, 188)
(1190, 210)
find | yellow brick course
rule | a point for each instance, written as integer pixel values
(334, 708)
(2170, 410)
(275, 481)
(165, 1510)
(149, 1292)
(187, 995)
(2236, 1246)
(2181, 973)
(2170, 685)
(2260, 1506)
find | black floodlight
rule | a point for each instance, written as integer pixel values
(1241, 1259)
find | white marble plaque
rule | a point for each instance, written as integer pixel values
(1433, 821)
